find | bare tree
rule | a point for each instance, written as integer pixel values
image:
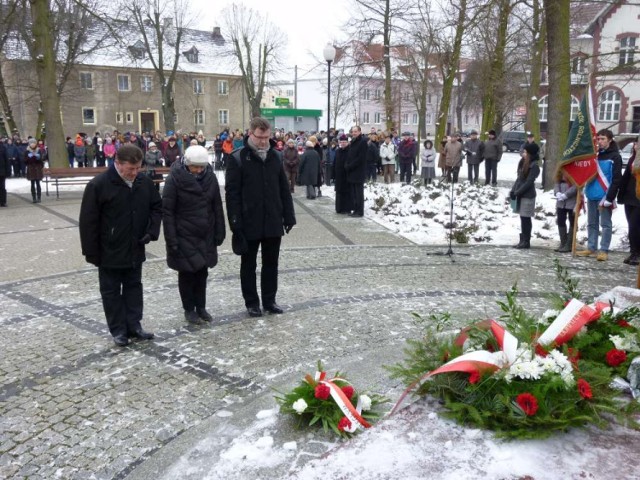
(557, 24)
(256, 44)
(382, 20)
(8, 16)
(162, 24)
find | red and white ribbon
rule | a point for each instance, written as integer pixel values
(345, 405)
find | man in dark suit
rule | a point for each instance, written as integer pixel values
(356, 167)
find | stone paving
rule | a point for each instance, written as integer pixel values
(74, 406)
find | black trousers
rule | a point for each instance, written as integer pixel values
(357, 197)
(193, 289)
(490, 172)
(473, 172)
(633, 220)
(3, 191)
(35, 188)
(268, 273)
(405, 172)
(526, 226)
(564, 214)
(121, 291)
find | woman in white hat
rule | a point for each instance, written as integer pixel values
(193, 222)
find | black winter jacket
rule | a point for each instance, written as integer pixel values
(192, 219)
(5, 164)
(114, 217)
(627, 190)
(525, 184)
(309, 167)
(339, 172)
(257, 193)
(356, 165)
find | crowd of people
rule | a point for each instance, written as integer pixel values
(262, 168)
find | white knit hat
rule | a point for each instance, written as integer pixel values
(196, 155)
(309, 144)
(151, 144)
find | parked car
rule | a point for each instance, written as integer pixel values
(625, 153)
(512, 140)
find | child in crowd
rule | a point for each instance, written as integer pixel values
(565, 194)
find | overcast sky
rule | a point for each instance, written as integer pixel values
(309, 25)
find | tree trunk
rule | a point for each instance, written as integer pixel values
(8, 119)
(168, 108)
(45, 63)
(557, 23)
(447, 84)
(386, 42)
(537, 50)
(492, 112)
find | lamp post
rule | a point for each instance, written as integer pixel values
(329, 53)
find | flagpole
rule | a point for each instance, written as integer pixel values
(576, 214)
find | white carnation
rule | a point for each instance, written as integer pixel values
(365, 402)
(626, 342)
(300, 406)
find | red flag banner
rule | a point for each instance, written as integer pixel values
(580, 157)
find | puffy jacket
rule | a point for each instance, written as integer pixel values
(192, 219)
(114, 217)
(610, 163)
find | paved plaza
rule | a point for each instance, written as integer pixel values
(75, 406)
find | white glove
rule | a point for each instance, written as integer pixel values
(606, 204)
(561, 197)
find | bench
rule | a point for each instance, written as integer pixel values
(82, 176)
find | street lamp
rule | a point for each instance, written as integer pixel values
(329, 53)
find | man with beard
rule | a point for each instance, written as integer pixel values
(356, 167)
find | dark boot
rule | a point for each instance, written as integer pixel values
(33, 196)
(633, 259)
(562, 230)
(39, 198)
(525, 242)
(519, 245)
(566, 247)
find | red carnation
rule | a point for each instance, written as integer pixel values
(584, 389)
(474, 377)
(615, 357)
(348, 391)
(623, 323)
(527, 403)
(344, 423)
(322, 392)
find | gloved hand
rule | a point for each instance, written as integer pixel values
(145, 239)
(93, 260)
(561, 197)
(287, 228)
(239, 243)
(606, 204)
(512, 195)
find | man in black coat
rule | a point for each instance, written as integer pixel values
(356, 167)
(259, 209)
(343, 189)
(121, 212)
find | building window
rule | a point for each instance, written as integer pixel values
(146, 83)
(466, 119)
(405, 118)
(577, 65)
(365, 117)
(609, 110)
(415, 118)
(429, 118)
(405, 96)
(575, 108)
(366, 94)
(377, 118)
(129, 117)
(376, 94)
(192, 55)
(543, 108)
(198, 116)
(175, 118)
(198, 87)
(123, 83)
(86, 80)
(289, 93)
(88, 116)
(223, 87)
(223, 117)
(429, 99)
(119, 118)
(627, 48)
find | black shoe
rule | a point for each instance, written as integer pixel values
(140, 334)
(632, 259)
(191, 317)
(3, 205)
(121, 340)
(273, 308)
(204, 315)
(254, 311)
(354, 214)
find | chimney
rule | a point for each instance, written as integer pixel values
(216, 32)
